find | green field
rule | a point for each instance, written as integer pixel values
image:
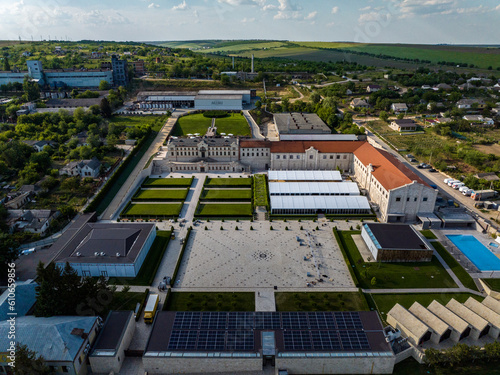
(385, 302)
(224, 210)
(228, 182)
(221, 195)
(235, 124)
(494, 284)
(403, 275)
(199, 301)
(161, 195)
(167, 182)
(156, 122)
(318, 301)
(260, 194)
(145, 210)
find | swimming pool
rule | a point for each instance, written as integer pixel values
(477, 253)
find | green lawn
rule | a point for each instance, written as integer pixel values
(161, 195)
(144, 209)
(457, 269)
(150, 265)
(192, 124)
(319, 301)
(235, 124)
(395, 275)
(229, 182)
(427, 233)
(167, 182)
(123, 301)
(260, 193)
(385, 302)
(220, 195)
(494, 284)
(224, 210)
(199, 301)
(411, 367)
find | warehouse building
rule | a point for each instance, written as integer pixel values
(460, 328)
(480, 327)
(486, 313)
(440, 330)
(104, 249)
(304, 176)
(312, 205)
(313, 188)
(298, 342)
(300, 123)
(395, 243)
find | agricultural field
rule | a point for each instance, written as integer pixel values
(228, 182)
(223, 195)
(159, 195)
(235, 210)
(167, 182)
(251, 46)
(152, 210)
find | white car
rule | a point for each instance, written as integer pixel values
(467, 192)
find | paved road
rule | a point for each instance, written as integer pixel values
(124, 191)
(253, 125)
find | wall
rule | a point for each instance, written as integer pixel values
(338, 365)
(411, 200)
(79, 79)
(312, 159)
(258, 158)
(169, 365)
(218, 104)
(369, 243)
(144, 251)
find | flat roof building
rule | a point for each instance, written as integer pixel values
(313, 188)
(313, 204)
(300, 123)
(304, 176)
(395, 243)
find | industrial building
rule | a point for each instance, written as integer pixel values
(460, 329)
(395, 243)
(54, 78)
(300, 123)
(299, 342)
(416, 331)
(99, 249)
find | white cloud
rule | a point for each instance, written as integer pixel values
(153, 5)
(365, 9)
(371, 17)
(248, 20)
(269, 7)
(335, 10)
(330, 24)
(242, 2)
(181, 6)
(311, 16)
(282, 15)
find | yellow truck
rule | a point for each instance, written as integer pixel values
(150, 309)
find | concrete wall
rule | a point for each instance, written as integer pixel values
(337, 365)
(176, 365)
(369, 243)
(312, 159)
(145, 250)
(79, 79)
(413, 198)
(218, 104)
(256, 158)
(489, 291)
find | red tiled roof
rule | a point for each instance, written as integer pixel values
(388, 171)
(254, 144)
(321, 146)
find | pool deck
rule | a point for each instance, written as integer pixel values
(484, 239)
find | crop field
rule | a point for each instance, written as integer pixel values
(255, 46)
(235, 124)
(221, 195)
(144, 209)
(229, 182)
(224, 210)
(161, 195)
(167, 182)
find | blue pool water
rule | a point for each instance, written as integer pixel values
(477, 253)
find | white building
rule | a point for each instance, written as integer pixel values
(82, 168)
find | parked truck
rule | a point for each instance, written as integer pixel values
(150, 309)
(481, 195)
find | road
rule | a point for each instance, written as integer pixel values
(124, 191)
(253, 125)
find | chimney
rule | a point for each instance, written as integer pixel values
(252, 63)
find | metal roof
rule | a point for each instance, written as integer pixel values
(219, 96)
(304, 176)
(224, 92)
(318, 137)
(25, 299)
(308, 188)
(319, 202)
(111, 334)
(50, 338)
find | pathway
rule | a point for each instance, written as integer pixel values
(423, 290)
(189, 208)
(253, 125)
(264, 300)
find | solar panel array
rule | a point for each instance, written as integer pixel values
(234, 331)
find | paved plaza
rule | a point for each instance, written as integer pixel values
(263, 258)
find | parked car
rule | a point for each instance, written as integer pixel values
(467, 192)
(457, 185)
(410, 156)
(432, 170)
(413, 160)
(420, 166)
(463, 188)
(446, 180)
(450, 183)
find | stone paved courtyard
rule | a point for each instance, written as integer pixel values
(262, 258)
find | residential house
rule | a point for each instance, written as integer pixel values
(82, 168)
(479, 119)
(405, 125)
(443, 86)
(373, 88)
(40, 145)
(436, 104)
(359, 103)
(444, 120)
(468, 103)
(17, 200)
(26, 109)
(34, 221)
(399, 107)
(25, 301)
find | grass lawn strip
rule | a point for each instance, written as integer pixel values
(150, 265)
(457, 269)
(192, 124)
(157, 182)
(320, 301)
(494, 284)
(427, 233)
(235, 124)
(226, 194)
(403, 275)
(159, 195)
(260, 190)
(145, 209)
(225, 210)
(229, 182)
(200, 301)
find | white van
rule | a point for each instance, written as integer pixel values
(446, 180)
(467, 192)
(450, 183)
(457, 185)
(463, 188)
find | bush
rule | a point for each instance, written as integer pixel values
(215, 114)
(221, 227)
(271, 227)
(251, 227)
(206, 228)
(301, 227)
(236, 228)
(286, 228)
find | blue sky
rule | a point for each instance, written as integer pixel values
(370, 21)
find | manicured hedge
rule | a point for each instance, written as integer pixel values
(215, 114)
(138, 316)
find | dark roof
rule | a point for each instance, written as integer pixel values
(396, 236)
(251, 143)
(86, 238)
(93, 163)
(241, 332)
(111, 334)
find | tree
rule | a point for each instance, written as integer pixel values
(401, 116)
(9, 252)
(384, 116)
(29, 174)
(103, 85)
(6, 65)
(225, 80)
(315, 97)
(105, 108)
(28, 363)
(31, 89)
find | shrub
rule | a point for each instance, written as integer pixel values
(206, 228)
(317, 228)
(350, 227)
(301, 227)
(286, 228)
(251, 228)
(236, 228)
(271, 227)
(215, 114)
(221, 228)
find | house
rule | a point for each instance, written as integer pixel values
(404, 125)
(470, 103)
(63, 341)
(426, 87)
(399, 107)
(479, 119)
(443, 86)
(373, 88)
(348, 92)
(359, 103)
(40, 145)
(435, 104)
(82, 168)
(25, 301)
(34, 221)
(33, 189)
(444, 120)
(18, 200)
(26, 109)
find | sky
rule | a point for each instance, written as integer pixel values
(365, 21)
